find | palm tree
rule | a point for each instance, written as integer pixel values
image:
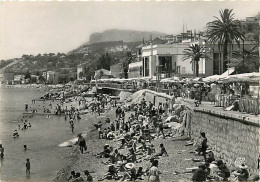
(224, 31)
(195, 52)
(245, 61)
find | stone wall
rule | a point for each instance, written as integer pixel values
(155, 97)
(230, 138)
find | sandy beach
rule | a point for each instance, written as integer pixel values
(172, 166)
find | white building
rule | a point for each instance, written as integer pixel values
(166, 60)
(52, 77)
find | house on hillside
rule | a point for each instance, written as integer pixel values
(251, 27)
(52, 77)
(80, 70)
(102, 74)
(7, 77)
(19, 79)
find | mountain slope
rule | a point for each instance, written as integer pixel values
(123, 35)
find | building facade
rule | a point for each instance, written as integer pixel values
(217, 55)
(52, 77)
(135, 70)
(117, 70)
(166, 60)
(79, 72)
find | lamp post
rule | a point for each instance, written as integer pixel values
(158, 77)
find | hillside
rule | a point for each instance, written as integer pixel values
(103, 50)
(106, 47)
(123, 35)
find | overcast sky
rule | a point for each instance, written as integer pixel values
(44, 27)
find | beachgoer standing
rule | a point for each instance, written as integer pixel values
(154, 172)
(2, 151)
(89, 177)
(26, 107)
(203, 145)
(28, 166)
(72, 125)
(161, 128)
(82, 143)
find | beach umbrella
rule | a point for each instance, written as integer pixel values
(130, 165)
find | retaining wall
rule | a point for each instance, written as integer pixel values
(156, 98)
(230, 138)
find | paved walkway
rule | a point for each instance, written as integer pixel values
(210, 107)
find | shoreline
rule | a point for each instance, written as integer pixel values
(172, 167)
(91, 137)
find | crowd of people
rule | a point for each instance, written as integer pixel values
(135, 128)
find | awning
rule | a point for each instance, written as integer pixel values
(250, 77)
(212, 78)
(228, 72)
(136, 64)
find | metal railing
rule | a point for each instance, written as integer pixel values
(246, 104)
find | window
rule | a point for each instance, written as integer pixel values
(183, 70)
(249, 28)
(216, 64)
(146, 66)
(178, 69)
(166, 62)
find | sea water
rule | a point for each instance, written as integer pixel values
(42, 138)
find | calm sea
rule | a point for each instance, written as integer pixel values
(42, 138)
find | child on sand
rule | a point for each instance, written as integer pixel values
(28, 166)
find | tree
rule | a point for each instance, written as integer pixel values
(224, 31)
(195, 52)
(41, 79)
(27, 75)
(37, 73)
(245, 61)
(81, 74)
(104, 61)
(99, 74)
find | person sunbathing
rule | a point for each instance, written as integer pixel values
(132, 156)
(105, 153)
(130, 172)
(111, 174)
(162, 151)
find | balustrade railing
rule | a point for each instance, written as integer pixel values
(246, 104)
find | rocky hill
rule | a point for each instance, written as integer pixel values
(106, 48)
(123, 35)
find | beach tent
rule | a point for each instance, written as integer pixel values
(212, 78)
(249, 77)
(171, 80)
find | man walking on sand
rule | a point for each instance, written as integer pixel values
(28, 166)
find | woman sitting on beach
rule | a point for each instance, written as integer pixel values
(132, 156)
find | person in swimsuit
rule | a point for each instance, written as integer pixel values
(154, 172)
